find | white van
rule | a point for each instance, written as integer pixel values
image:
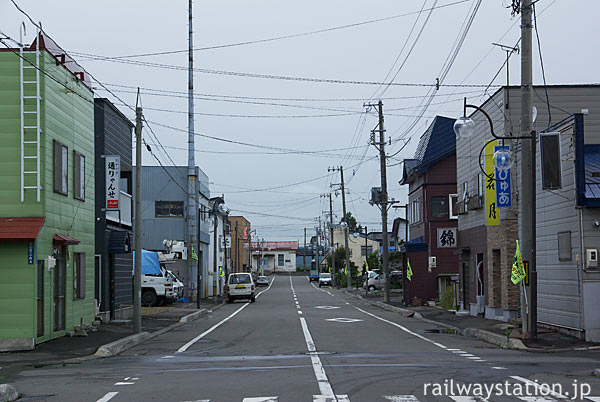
(240, 286)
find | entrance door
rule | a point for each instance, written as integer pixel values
(40, 298)
(60, 282)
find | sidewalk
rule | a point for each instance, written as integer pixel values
(63, 349)
(506, 335)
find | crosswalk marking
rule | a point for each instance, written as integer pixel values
(107, 397)
(401, 398)
(262, 399)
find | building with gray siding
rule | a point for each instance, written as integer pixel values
(164, 210)
(487, 251)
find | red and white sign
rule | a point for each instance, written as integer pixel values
(246, 232)
(113, 177)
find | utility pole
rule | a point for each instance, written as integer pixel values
(527, 201)
(237, 250)
(318, 233)
(262, 257)
(304, 256)
(334, 280)
(191, 213)
(137, 276)
(383, 204)
(215, 245)
(343, 188)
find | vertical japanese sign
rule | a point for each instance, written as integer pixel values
(113, 175)
(503, 198)
(30, 253)
(492, 215)
(246, 228)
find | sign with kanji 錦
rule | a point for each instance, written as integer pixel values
(503, 198)
(446, 237)
(113, 176)
(492, 215)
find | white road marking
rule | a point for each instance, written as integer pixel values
(593, 398)
(499, 368)
(299, 312)
(167, 357)
(455, 350)
(403, 328)
(324, 385)
(401, 398)
(217, 325)
(468, 399)
(458, 351)
(135, 379)
(536, 399)
(347, 303)
(298, 306)
(126, 378)
(342, 319)
(262, 399)
(439, 345)
(467, 355)
(538, 387)
(337, 398)
(124, 383)
(107, 397)
(327, 307)
(473, 357)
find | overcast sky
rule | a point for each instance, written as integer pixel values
(328, 116)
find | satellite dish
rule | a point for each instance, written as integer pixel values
(534, 114)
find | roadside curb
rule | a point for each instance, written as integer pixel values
(486, 336)
(8, 393)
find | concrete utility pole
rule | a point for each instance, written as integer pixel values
(304, 256)
(137, 276)
(334, 274)
(191, 213)
(527, 201)
(343, 188)
(237, 250)
(384, 207)
(215, 245)
(318, 233)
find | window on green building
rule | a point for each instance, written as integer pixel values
(78, 176)
(61, 164)
(78, 275)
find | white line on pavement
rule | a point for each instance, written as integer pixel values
(499, 368)
(538, 387)
(299, 312)
(107, 397)
(401, 398)
(324, 385)
(217, 325)
(124, 383)
(403, 328)
(262, 399)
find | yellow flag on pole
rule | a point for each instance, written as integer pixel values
(367, 265)
(518, 268)
(409, 272)
(221, 271)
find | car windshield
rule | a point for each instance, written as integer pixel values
(326, 276)
(263, 278)
(240, 279)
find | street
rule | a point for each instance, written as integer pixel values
(301, 343)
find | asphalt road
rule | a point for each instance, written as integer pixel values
(300, 343)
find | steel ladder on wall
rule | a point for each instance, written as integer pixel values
(30, 134)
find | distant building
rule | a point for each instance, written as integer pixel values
(274, 256)
(360, 246)
(240, 236)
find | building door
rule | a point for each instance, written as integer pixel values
(40, 298)
(60, 282)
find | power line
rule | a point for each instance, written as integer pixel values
(276, 38)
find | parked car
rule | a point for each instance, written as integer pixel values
(313, 275)
(325, 279)
(375, 280)
(177, 284)
(262, 281)
(240, 286)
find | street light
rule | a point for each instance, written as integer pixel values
(464, 127)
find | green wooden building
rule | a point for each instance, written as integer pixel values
(46, 195)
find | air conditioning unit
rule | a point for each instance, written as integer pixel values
(432, 262)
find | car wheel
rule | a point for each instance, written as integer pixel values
(372, 288)
(149, 298)
(252, 299)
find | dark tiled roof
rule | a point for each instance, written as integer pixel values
(436, 143)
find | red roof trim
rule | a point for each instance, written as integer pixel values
(64, 240)
(18, 229)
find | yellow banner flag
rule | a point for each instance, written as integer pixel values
(221, 271)
(409, 272)
(367, 265)
(492, 214)
(518, 268)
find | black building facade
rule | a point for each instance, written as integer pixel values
(114, 229)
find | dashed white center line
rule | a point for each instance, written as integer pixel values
(299, 312)
(499, 368)
(124, 383)
(107, 397)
